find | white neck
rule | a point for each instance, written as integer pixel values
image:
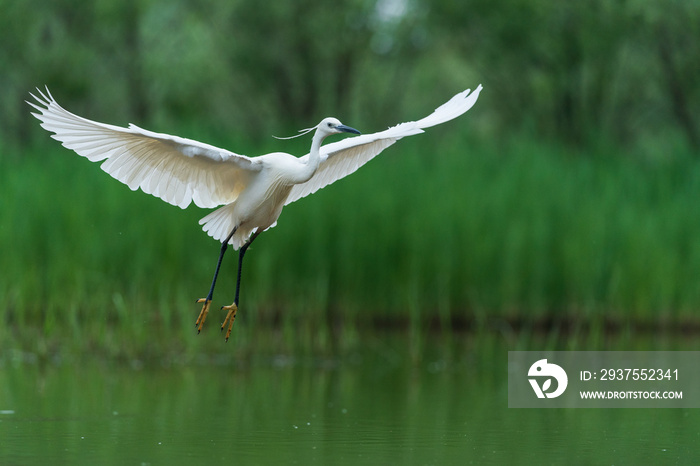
(308, 169)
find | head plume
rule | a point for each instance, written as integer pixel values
(301, 133)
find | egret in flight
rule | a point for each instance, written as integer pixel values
(251, 190)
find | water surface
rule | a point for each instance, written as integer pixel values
(374, 406)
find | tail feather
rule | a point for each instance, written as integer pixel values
(220, 223)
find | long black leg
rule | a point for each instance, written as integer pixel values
(224, 246)
(207, 301)
(241, 253)
(231, 316)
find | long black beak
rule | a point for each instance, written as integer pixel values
(347, 129)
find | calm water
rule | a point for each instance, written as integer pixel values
(373, 406)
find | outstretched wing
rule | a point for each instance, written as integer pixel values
(339, 159)
(175, 169)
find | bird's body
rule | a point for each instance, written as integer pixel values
(260, 203)
(258, 206)
(251, 190)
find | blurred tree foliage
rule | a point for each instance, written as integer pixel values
(624, 71)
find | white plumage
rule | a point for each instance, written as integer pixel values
(181, 171)
(252, 190)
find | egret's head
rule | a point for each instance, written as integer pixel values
(333, 125)
(327, 127)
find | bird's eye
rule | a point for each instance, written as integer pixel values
(330, 125)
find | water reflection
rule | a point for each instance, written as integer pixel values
(374, 406)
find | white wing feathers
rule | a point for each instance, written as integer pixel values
(175, 169)
(181, 171)
(339, 159)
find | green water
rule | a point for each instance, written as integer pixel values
(373, 405)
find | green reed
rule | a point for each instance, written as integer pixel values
(434, 233)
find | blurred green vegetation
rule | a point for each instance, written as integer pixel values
(476, 237)
(567, 198)
(574, 71)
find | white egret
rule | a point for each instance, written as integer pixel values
(252, 190)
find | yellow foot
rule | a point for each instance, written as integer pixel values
(230, 317)
(203, 313)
